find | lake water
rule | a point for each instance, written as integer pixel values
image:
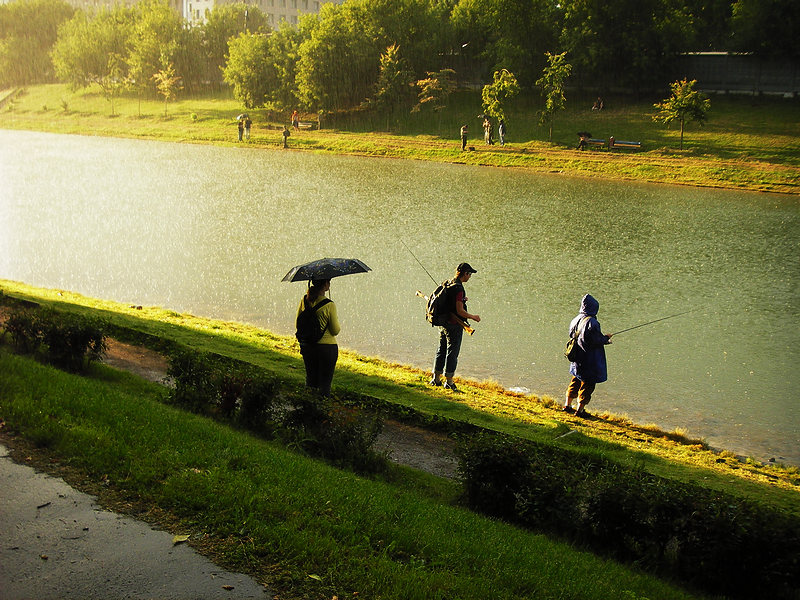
(212, 231)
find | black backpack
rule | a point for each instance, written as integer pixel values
(442, 302)
(308, 329)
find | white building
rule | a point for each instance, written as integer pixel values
(194, 11)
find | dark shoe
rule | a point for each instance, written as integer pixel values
(435, 382)
(569, 409)
(583, 414)
(451, 386)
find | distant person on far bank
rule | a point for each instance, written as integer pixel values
(452, 331)
(591, 368)
(464, 134)
(501, 131)
(286, 134)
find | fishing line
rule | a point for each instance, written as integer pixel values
(655, 321)
(419, 263)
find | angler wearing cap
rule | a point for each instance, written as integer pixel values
(452, 331)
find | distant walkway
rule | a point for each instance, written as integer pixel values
(58, 544)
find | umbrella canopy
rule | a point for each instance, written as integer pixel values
(242, 116)
(326, 268)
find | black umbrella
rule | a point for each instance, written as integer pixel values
(326, 268)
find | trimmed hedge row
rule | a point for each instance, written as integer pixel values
(68, 340)
(714, 541)
(244, 396)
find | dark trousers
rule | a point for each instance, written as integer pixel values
(320, 361)
(450, 337)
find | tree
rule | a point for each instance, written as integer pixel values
(685, 104)
(511, 34)
(224, 22)
(93, 50)
(435, 89)
(168, 83)
(156, 37)
(248, 70)
(552, 83)
(624, 42)
(497, 93)
(28, 31)
(394, 82)
(766, 27)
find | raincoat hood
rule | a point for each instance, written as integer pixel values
(589, 306)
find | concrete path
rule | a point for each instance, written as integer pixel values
(56, 543)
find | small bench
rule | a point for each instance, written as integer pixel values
(306, 125)
(585, 141)
(612, 143)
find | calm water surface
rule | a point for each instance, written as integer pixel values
(212, 230)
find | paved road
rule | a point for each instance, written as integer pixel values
(56, 543)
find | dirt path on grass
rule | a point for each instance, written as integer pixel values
(406, 445)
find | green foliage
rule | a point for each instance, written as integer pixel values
(685, 104)
(155, 42)
(168, 84)
(241, 394)
(496, 94)
(393, 89)
(435, 89)
(28, 31)
(93, 49)
(676, 529)
(552, 84)
(510, 34)
(766, 27)
(248, 70)
(68, 340)
(224, 22)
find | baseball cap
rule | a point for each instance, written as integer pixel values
(465, 268)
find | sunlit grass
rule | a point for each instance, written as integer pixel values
(485, 404)
(298, 525)
(747, 143)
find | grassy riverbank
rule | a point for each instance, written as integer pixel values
(747, 144)
(310, 530)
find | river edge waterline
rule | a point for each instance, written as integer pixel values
(355, 371)
(176, 233)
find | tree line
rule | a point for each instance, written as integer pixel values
(383, 53)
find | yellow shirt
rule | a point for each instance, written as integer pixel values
(328, 320)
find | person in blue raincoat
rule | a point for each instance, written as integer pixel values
(591, 369)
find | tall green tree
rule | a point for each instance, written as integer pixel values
(624, 42)
(156, 36)
(769, 28)
(511, 34)
(28, 31)
(435, 89)
(249, 70)
(552, 83)
(339, 61)
(685, 104)
(393, 89)
(93, 49)
(226, 21)
(495, 95)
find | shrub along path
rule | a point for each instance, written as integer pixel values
(407, 445)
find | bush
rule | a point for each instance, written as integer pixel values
(73, 341)
(341, 434)
(715, 541)
(68, 340)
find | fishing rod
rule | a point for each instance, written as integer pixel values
(419, 263)
(655, 321)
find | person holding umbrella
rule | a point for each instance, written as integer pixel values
(320, 356)
(317, 320)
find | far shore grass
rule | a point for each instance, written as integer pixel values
(747, 144)
(485, 404)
